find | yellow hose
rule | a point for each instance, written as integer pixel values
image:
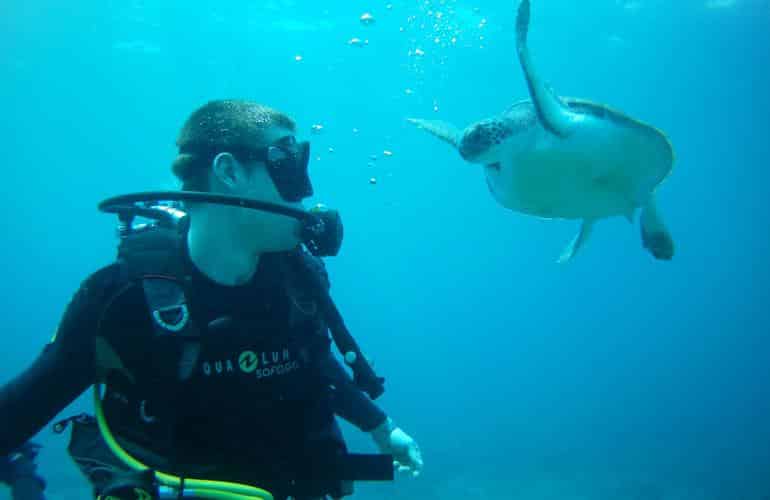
(214, 490)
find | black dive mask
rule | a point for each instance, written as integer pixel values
(321, 229)
(287, 166)
(286, 162)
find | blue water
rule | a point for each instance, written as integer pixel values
(613, 377)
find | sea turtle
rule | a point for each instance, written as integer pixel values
(567, 158)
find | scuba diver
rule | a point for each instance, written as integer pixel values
(208, 340)
(18, 470)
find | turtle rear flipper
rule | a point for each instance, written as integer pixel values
(655, 235)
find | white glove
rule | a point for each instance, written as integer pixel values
(392, 440)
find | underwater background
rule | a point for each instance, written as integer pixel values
(614, 376)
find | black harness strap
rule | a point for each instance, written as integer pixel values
(171, 316)
(363, 374)
(152, 257)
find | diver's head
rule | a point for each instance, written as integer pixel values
(244, 149)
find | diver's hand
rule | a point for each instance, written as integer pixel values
(393, 441)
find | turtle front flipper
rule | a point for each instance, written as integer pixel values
(553, 115)
(578, 241)
(443, 130)
(655, 235)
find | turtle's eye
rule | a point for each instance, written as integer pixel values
(494, 166)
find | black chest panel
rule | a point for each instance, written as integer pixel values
(267, 350)
(256, 384)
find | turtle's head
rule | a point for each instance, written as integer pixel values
(481, 142)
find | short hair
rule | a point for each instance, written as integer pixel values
(223, 125)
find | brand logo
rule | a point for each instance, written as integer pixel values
(261, 364)
(248, 361)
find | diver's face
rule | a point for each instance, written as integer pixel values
(271, 232)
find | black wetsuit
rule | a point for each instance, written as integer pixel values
(261, 395)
